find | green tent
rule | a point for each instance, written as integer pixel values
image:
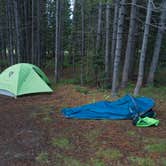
(23, 79)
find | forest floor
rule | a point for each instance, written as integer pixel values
(33, 132)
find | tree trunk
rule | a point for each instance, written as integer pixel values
(82, 39)
(134, 50)
(107, 44)
(26, 32)
(17, 30)
(10, 35)
(114, 34)
(61, 27)
(143, 49)
(158, 41)
(32, 37)
(129, 45)
(38, 33)
(118, 47)
(98, 40)
(2, 42)
(1, 47)
(99, 28)
(73, 39)
(57, 41)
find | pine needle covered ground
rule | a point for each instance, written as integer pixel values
(33, 132)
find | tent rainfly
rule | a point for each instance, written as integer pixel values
(23, 78)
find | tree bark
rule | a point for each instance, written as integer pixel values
(159, 37)
(98, 40)
(10, 35)
(82, 39)
(2, 42)
(114, 34)
(26, 31)
(1, 47)
(107, 44)
(32, 33)
(129, 45)
(99, 28)
(38, 33)
(118, 47)
(57, 53)
(73, 38)
(143, 49)
(17, 30)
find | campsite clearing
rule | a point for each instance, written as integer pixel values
(33, 132)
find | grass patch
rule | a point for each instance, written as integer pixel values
(61, 143)
(159, 148)
(162, 161)
(97, 162)
(67, 161)
(82, 90)
(109, 154)
(69, 81)
(92, 135)
(44, 112)
(141, 161)
(47, 119)
(131, 133)
(42, 158)
(155, 92)
(149, 91)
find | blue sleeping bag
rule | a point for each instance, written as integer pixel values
(126, 107)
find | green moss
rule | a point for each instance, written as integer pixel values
(81, 89)
(61, 143)
(42, 158)
(141, 161)
(109, 154)
(92, 135)
(162, 161)
(159, 148)
(69, 161)
(68, 81)
(131, 133)
(97, 162)
(47, 119)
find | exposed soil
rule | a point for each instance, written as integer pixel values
(29, 124)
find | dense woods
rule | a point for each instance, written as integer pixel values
(103, 43)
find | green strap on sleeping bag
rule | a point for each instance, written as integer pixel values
(146, 122)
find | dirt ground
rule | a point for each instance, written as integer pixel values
(34, 133)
